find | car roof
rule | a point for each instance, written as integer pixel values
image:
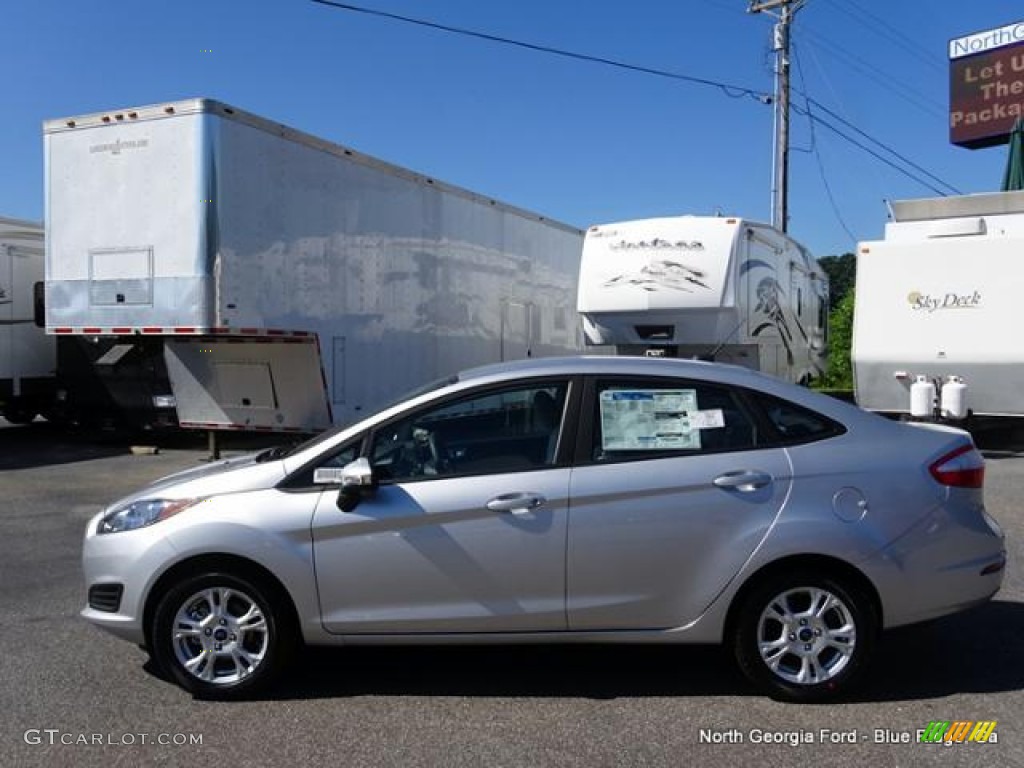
(614, 364)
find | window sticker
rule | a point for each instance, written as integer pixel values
(711, 419)
(650, 420)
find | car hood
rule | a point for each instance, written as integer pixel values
(240, 473)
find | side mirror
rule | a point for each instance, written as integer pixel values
(357, 481)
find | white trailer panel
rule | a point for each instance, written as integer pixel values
(225, 223)
(711, 287)
(937, 299)
(27, 355)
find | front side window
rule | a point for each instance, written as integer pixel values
(646, 419)
(503, 430)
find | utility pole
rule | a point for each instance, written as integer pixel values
(780, 158)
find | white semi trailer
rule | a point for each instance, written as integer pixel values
(27, 355)
(211, 268)
(716, 288)
(935, 320)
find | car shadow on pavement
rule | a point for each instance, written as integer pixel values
(574, 671)
(978, 651)
(44, 444)
(973, 652)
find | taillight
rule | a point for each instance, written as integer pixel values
(962, 468)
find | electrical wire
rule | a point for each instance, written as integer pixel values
(815, 150)
(837, 98)
(908, 93)
(890, 150)
(881, 158)
(733, 91)
(880, 26)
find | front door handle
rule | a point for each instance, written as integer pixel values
(745, 480)
(517, 503)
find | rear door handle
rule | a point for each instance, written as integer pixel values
(745, 480)
(516, 503)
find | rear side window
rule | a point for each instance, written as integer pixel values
(795, 424)
(640, 419)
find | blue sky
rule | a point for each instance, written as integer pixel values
(576, 141)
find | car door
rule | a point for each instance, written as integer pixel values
(670, 497)
(466, 529)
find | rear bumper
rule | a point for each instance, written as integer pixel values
(952, 560)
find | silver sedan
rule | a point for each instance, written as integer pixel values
(563, 500)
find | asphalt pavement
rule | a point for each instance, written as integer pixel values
(73, 695)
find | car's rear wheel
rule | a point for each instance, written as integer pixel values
(805, 637)
(222, 636)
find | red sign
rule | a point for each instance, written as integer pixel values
(986, 96)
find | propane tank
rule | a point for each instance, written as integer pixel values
(922, 398)
(954, 398)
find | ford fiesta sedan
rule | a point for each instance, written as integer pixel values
(559, 500)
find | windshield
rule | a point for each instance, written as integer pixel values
(287, 449)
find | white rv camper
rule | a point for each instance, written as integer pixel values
(713, 288)
(27, 359)
(935, 317)
(234, 273)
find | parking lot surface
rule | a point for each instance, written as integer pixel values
(72, 695)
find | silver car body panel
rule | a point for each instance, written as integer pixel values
(416, 552)
(426, 561)
(656, 548)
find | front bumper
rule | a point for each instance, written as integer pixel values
(129, 560)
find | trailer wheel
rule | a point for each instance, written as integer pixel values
(19, 413)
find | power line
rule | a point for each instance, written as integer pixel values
(817, 156)
(838, 99)
(884, 79)
(826, 124)
(887, 148)
(733, 91)
(868, 19)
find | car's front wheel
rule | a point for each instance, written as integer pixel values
(222, 636)
(805, 637)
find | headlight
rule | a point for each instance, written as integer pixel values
(139, 514)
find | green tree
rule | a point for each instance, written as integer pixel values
(840, 338)
(842, 276)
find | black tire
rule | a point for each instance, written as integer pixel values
(17, 413)
(819, 632)
(239, 635)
